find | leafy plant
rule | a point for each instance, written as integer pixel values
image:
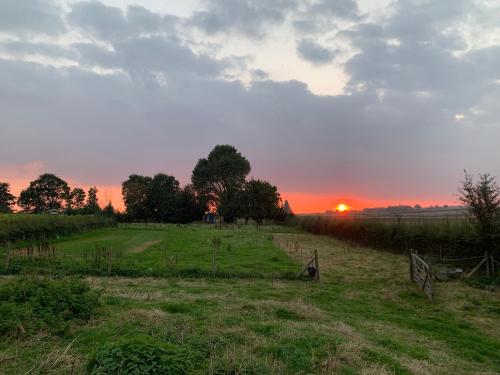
(140, 356)
(31, 304)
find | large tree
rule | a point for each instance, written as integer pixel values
(7, 200)
(262, 200)
(221, 174)
(135, 195)
(47, 192)
(161, 197)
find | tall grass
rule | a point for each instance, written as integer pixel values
(17, 227)
(440, 236)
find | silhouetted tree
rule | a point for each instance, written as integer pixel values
(47, 192)
(263, 200)
(7, 200)
(189, 207)
(135, 195)
(161, 197)
(92, 205)
(221, 174)
(77, 199)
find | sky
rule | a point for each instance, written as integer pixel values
(368, 102)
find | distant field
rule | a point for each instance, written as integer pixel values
(164, 250)
(363, 317)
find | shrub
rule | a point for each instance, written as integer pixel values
(17, 227)
(140, 356)
(28, 305)
(440, 236)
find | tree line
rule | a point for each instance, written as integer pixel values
(219, 186)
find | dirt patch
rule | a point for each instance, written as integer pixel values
(143, 246)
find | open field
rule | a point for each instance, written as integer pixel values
(363, 317)
(163, 250)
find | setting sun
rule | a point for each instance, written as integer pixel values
(342, 207)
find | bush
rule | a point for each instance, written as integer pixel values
(140, 356)
(28, 305)
(20, 227)
(440, 236)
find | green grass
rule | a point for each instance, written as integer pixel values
(363, 317)
(165, 251)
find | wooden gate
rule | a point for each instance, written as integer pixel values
(421, 273)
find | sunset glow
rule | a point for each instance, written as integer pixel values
(342, 207)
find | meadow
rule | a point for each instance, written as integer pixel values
(161, 250)
(364, 316)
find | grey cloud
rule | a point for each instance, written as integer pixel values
(321, 16)
(22, 49)
(141, 55)
(393, 129)
(251, 18)
(108, 22)
(30, 16)
(315, 53)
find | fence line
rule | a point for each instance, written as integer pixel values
(310, 265)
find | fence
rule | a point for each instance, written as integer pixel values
(421, 273)
(309, 260)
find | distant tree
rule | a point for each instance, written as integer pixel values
(263, 200)
(92, 205)
(135, 195)
(109, 210)
(482, 198)
(161, 197)
(7, 200)
(78, 198)
(47, 192)
(221, 174)
(287, 208)
(189, 207)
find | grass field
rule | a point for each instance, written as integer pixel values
(166, 250)
(363, 317)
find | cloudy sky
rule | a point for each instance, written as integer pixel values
(369, 101)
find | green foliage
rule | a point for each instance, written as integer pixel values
(15, 227)
(31, 304)
(140, 356)
(450, 236)
(483, 200)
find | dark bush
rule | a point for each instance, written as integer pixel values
(140, 356)
(440, 236)
(28, 305)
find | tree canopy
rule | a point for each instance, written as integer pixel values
(47, 192)
(220, 175)
(7, 200)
